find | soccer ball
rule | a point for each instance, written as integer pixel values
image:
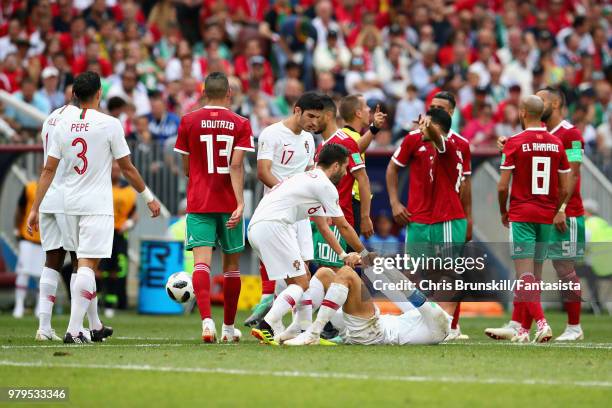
(179, 287)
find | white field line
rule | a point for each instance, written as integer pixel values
(312, 374)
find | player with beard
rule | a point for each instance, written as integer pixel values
(567, 242)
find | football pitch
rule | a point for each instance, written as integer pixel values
(157, 361)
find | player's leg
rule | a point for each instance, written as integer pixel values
(267, 297)
(566, 248)
(49, 280)
(22, 279)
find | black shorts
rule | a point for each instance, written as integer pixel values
(120, 247)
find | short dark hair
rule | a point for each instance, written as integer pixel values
(349, 105)
(328, 103)
(216, 85)
(86, 85)
(332, 153)
(116, 102)
(447, 96)
(310, 101)
(155, 94)
(557, 92)
(441, 118)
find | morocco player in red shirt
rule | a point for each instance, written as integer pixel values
(213, 141)
(567, 244)
(537, 164)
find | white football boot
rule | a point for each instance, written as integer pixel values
(506, 332)
(209, 332)
(306, 338)
(229, 334)
(543, 334)
(571, 333)
(522, 336)
(47, 335)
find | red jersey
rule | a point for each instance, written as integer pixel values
(447, 171)
(419, 155)
(535, 157)
(573, 143)
(345, 187)
(463, 145)
(209, 136)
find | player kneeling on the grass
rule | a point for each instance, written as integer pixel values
(271, 234)
(348, 305)
(88, 142)
(212, 141)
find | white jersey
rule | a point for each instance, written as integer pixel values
(299, 197)
(290, 154)
(53, 202)
(88, 141)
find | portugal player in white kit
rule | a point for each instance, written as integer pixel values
(88, 144)
(287, 148)
(272, 235)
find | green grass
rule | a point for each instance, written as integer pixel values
(147, 363)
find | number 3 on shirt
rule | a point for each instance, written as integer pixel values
(81, 155)
(540, 175)
(225, 152)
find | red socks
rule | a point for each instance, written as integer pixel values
(530, 298)
(572, 299)
(201, 287)
(455, 321)
(231, 293)
(267, 286)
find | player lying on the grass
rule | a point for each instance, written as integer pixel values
(348, 305)
(567, 244)
(88, 141)
(537, 164)
(273, 238)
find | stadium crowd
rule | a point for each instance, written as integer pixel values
(154, 55)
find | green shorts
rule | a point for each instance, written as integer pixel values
(324, 255)
(209, 230)
(569, 244)
(529, 240)
(439, 239)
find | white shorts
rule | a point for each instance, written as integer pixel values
(411, 327)
(31, 259)
(53, 232)
(276, 244)
(303, 232)
(90, 235)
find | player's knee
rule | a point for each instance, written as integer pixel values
(325, 275)
(565, 270)
(347, 277)
(54, 259)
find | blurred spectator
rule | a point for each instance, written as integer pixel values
(253, 65)
(360, 80)
(425, 72)
(326, 83)
(292, 71)
(49, 90)
(514, 98)
(408, 110)
(282, 105)
(480, 131)
(393, 71)
(383, 242)
(8, 43)
(132, 91)
(519, 71)
(162, 124)
(19, 120)
(604, 137)
(510, 124)
(471, 110)
(324, 22)
(331, 55)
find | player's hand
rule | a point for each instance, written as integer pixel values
(352, 259)
(501, 142)
(468, 234)
(155, 208)
(32, 222)
(235, 217)
(367, 229)
(400, 214)
(559, 221)
(379, 117)
(504, 220)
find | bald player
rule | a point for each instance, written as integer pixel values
(567, 244)
(537, 164)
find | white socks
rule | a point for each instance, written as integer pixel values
(82, 291)
(303, 311)
(334, 299)
(21, 290)
(285, 301)
(317, 292)
(49, 279)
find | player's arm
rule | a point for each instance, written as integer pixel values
(46, 178)
(503, 190)
(330, 238)
(237, 177)
(564, 185)
(264, 173)
(185, 158)
(132, 175)
(400, 213)
(19, 213)
(379, 122)
(363, 183)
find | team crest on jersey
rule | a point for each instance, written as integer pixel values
(296, 265)
(307, 147)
